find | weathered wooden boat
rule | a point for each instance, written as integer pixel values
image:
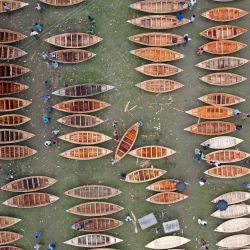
(10, 248)
(106, 248)
(167, 198)
(158, 69)
(8, 136)
(222, 142)
(158, 22)
(93, 192)
(152, 152)
(144, 175)
(11, 87)
(29, 184)
(9, 36)
(234, 225)
(10, 104)
(13, 5)
(233, 197)
(222, 79)
(126, 142)
(222, 63)
(81, 105)
(12, 70)
(228, 171)
(223, 32)
(95, 209)
(31, 200)
(167, 242)
(167, 185)
(86, 153)
(156, 54)
(157, 39)
(80, 121)
(9, 52)
(211, 112)
(224, 14)
(61, 3)
(93, 240)
(13, 120)
(73, 40)
(7, 237)
(15, 152)
(6, 221)
(235, 241)
(97, 225)
(159, 86)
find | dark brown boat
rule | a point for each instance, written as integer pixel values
(8, 136)
(8, 104)
(9, 36)
(11, 87)
(7, 237)
(9, 52)
(15, 152)
(13, 120)
(12, 70)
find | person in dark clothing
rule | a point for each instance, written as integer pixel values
(91, 20)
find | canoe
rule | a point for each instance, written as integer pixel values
(13, 5)
(9, 135)
(233, 197)
(6, 221)
(93, 192)
(228, 171)
(152, 152)
(10, 104)
(9, 52)
(61, 3)
(158, 22)
(226, 156)
(85, 137)
(224, 14)
(93, 240)
(158, 69)
(222, 142)
(10, 248)
(10, 36)
(144, 175)
(159, 86)
(15, 152)
(211, 112)
(167, 185)
(83, 90)
(167, 242)
(7, 237)
(12, 70)
(80, 121)
(13, 120)
(222, 79)
(157, 39)
(223, 32)
(223, 47)
(235, 241)
(73, 40)
(29, 184)
(86, 153)
(222, 63)
(167, 198)
(94, 225)
(126, 142)
(233, 225)
(81, 105)
(221, 99)
(95, 208)
(31, 200)
(155, 54)
(11, 87)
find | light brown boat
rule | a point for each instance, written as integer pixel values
(6, 221)
(233, 197)
(235, 241)
(7, 237)
(12, 70)
(61, 3)
(15, 152)
(13, 120)
(167, 242)
(11, 87)
(167, 185)
(8, 104)
(9, 52)
(10, 248)
(233, 225)
(8, 136)
(13, 5)
(10, 36)
(167, 198)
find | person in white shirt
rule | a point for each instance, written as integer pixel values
(34, 34)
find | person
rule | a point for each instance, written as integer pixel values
(6, 9)
(34, 34)
(38, 27)
(46, 119)
(115, 132)
(180, 16)
(37, 234)
(48, 109)
(114, 123)
(46, 97)
(91, 20)
(191, 4)
(116, 138)
(45, 55)
(55, 132)
(244, 116)
(46, 84)
(174, 39)
(206, 146)
(38, 7)
(48, 143)
(202, 181)
(237, 112)
(186, 40)
(192, 18)
(141, 123)
(112, 161)
(248, 161)
(37, 246)
(78, 226)
(198, 152)
(202, 222)
(123, 176)
(9, 176)
(128, 218)
(54, 64)
(204, 244)
(200, 51)
(91, 31)
(51, 246)
(238, 127)
(197, 159)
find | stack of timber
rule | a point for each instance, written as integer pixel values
(61, 3)
(13, 5)
(9, 36)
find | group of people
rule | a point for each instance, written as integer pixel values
(38, 245)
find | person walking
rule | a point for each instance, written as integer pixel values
(192, 18)
(38, 27)
(6, 9)
(34, 34)
(202, 222)
(191, 4)
(186, 40)
(38, 7)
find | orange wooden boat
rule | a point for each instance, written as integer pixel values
(167, 185)
(224, 14)
(10, 248)
(13, 120)
(8, 136)
(61, 3)
(13, 5)
(7, 237)
(6, 221)
(9, 52)
(12, 70)
(11, 87)
(9, 36)
(10, 104)
(167, 198)
(15, 152)
(126, 142)
(158, 69)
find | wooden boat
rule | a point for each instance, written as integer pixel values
(152, 152)
(222, 79)
(13, 120)
(158, 22)
(222, 142)
(15, 152)
(144, 175)
(6, 221)
(10, 248)
(93, 192)
(31, 200)
(223, 32)
(95, 208)
(222, 63)
(86, 153)
(167, 242)
(12, 70)
(233, 225)
(97, 225)
(80, 121)
(158, 69)
(167, 198)
(13, 5)
(167, 185)
(81, 105)
(233, 197)
(8, 136)
(126, 142)
(212, 128)
(61, 3)
(29, 184)
(10, 104)
(73, 40)
(9, 52)
(93, 240)
(7, 237)
(224, 14)
(71, 55)
(11, 87)
(159, 86)
(228, 171)
(157, 39)
(156, 54)
(211, 112)
(235, 241)
(9, 36)
(221, 99)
